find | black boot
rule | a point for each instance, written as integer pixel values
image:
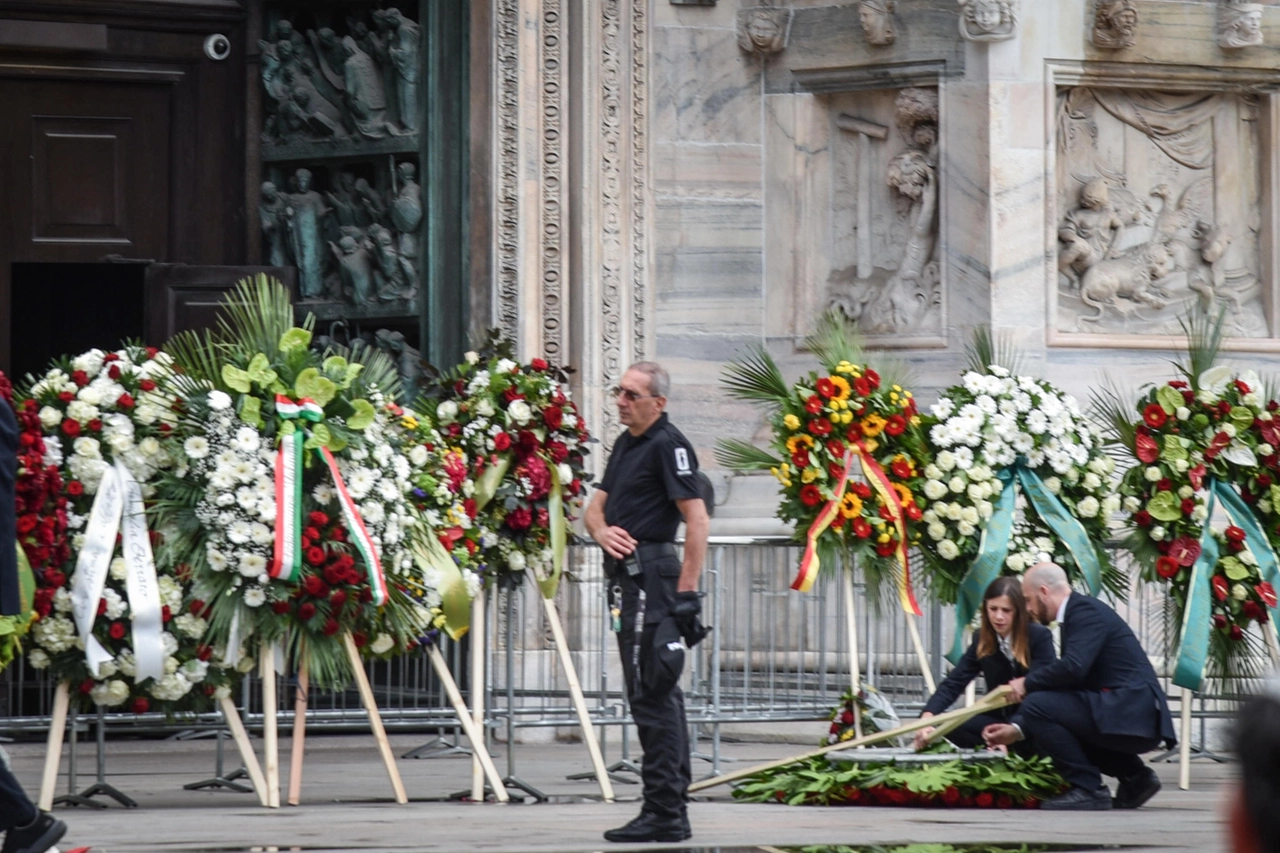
(648, 826)
(43, 832)
(1079, 799)
(1135, 790)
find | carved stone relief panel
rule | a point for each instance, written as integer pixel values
(884, 221)
(1239, 24)
(879, 25)
(763, 30)
(1159, 209)
(1115, 24)
(988, 20)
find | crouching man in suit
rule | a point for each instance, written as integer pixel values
(1097, 708)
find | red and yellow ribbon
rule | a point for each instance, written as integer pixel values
(810, 563)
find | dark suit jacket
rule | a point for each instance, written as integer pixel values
(10, 595)
(1103, 659)
(996, 669)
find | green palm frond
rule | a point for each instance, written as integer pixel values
(256, 314)
(198, 354)
(1112, 408)
(894, 371)
(1204, 333)
(987, 347)
(836, 339)
(756, 378)
(379, 370)
(742, 456)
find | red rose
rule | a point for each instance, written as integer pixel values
(66, 396)
(166, 615)
(512, 394)
(1221, 589)
(26, 524)
(95, 425)
(1184, 550)
(317, 518)
(110, 357)
(984, 800)
(557, 450)
(526, 443)
(71, 427)
(519, 518)
(1164, 484)
(114, 371)
(306, 611)
(1166, 567)
(102, 606)
(1154, 416)
(553, 417)
(125, 401)
(80, 378)
(331, 627)
(315, 556)
(1264, 481)
(1188, 506)
(1267, 593)
(826, 387)
(813, 404)
(280, 607)
(361, 640)
(501, 441)
(820, 426)
(147, 385)
(205, 653)
(140, 705)
(1142, 518)
(896, 425)
(116, 631)
(539, 364)
(338, 598)
(1219, 621)
(809, 495)
(56, 579)
(846, 717)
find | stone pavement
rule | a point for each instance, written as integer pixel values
(347, 806)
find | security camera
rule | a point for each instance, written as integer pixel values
(217, 47)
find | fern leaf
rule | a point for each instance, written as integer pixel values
(987, 347)
(836, 339)
(756, 378)
(741, 456)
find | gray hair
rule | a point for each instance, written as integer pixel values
(1047, 574)
(659, 379)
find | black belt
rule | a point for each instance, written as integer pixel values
(646, 551)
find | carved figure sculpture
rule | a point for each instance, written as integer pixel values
(393, 275)
(371, 203)
(355, 269)
(1090, 232)
(305, 211)
(408, 360)
(1239, 24)
(988, 20)
(329, 54)
(406, 212)
(1115, 24)
(876, 17)
(403, 51)
(342, 200)
(763, 30)
(1131, 276)
(1210, 279)
(366, 97)
(275, 226)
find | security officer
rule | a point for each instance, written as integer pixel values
(650, 483)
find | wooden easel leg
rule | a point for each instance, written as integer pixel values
(375, 719)
(270, 730)
(925, 670)
(53, 747)
(247, 755)
(855, 668)
(575, 691)
(472, 731)
(478, 637)
(299, 736)
(1184, 747)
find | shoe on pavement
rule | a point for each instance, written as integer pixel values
(648, 826)
(1136, 789)
(43, 832)
(1079, 799)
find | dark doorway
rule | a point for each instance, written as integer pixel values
(66, 309)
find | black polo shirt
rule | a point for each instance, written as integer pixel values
(645, 476)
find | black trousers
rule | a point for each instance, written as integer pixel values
(1060, 724)
(16, 809)
(969, 734)
(659, 717)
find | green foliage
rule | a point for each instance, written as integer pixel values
(837, 339)
(755, 378)
(739, 455)
(1204, 333)
(986, 348)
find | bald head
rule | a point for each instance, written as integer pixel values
(1045, 587)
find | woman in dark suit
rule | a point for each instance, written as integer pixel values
(1008, 645)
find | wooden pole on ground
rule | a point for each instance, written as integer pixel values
(473, 733)
(375, 719)
(299, 735)
(478, 637)
(925, 669)
(1184, 748)
(997, 698)
(53, 746)
(270, 729)
(247, 755)
(575, 690)
(851, 625)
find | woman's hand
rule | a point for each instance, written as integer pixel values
(922, 736)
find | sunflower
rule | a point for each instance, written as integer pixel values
(873, 425)
(796, 441)
(850, 505)
(842, 388)
(904, 494)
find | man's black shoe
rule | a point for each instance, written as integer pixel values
(650, 827)
(1136, 789)
(1078, 799)
(36, 837)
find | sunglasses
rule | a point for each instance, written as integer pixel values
(632, 396)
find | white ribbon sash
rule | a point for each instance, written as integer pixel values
(118, 508)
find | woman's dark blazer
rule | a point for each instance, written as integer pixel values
(995, 668)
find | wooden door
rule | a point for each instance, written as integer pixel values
(182, 297)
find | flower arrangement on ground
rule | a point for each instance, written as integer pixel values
(878, 714)
(104, 418)
(1002, 783)
(1209, 439)
(290, 496)
(828, 428)
(526, 445)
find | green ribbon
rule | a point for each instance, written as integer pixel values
(1193, 644)
(994, 546)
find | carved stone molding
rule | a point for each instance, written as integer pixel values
(988, 20)
(1239, 24)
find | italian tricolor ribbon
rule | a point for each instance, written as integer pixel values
(287, 558)
(879, 481)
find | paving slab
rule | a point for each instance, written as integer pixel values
(347, 807)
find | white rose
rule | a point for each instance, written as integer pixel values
(1182, 413)
(418, 456)
(1132, 504)
(1053, 484)
(1265, 449)
(50, 417)
(1200, 513)
(1092, 481)
(1152, 474)
(485, 408)
(948, 550)
(516, 561)
(565, 473)
(935, 489)
(472, 357)
(1239, 592)
(956, 485)
(520, 412)
(965, 528)
(446, 411)
(1181, 465)
(937, 531)
(1015, 562)
(1158, 533)
(946, 460)
(969, 515)
(1186, 492)
(1088, 508)
(1110, 504)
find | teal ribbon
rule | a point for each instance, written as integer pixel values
(1193, 645)
(994, 547)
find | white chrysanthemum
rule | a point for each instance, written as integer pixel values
(252, 565)
(219, 401)
(246, 440)
(418, 455)
(372, 512)
(360, 482)
(387, 491)
(116, 606)
(260, 534)
(240, 532)
(217, 560)
(254, 597)
(324, 493)
(196, 447)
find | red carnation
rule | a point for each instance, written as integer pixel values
(1154, 416)
(361, 640)
(519, 518)
(114, 371)
(539, 364)
(71, 427)
(147, 385)
(306, 611)
(836, 470)
(80, 378)
(951, 795)
(56, 579)
(810, 495)
(895, 425)
(854, 432)
(886, 549)
(166, 615)
(205, 653)
(281, 607)
(1166, 567)
(317, 518)
(116, 630)
(826, 387)
(1164, 484)
(1220, 587)
(813, 404)
(820, 426)
(125, 401)
(315, 556)
(1188, 506)
(338, 598)
(553, 417)
(140, 705)
(526, 443)
(557, 450)
(331, 627)
(1219, 621)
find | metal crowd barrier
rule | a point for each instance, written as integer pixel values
(775, 656)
